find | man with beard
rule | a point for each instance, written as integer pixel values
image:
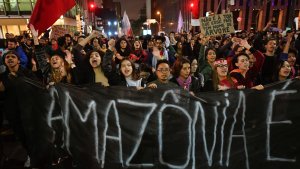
(68, 41)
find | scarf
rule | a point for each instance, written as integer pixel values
(185, 84)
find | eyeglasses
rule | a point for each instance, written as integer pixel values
(211, 53)
(163, 70)
(222, 65)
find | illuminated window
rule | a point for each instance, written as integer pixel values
(23, 28)
(33, 2)
(13, 29)
(25, 5)
(4, 30)
(16, 7)
(11, 5)
(1, 6)
(2, 9)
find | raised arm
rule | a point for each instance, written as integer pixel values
(284, 54)
(201, 58)
(86, 40)
(40, 53)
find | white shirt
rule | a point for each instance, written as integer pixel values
(135, 83)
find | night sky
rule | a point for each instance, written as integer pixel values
(132, 7)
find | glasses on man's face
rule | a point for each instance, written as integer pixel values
(163, 70)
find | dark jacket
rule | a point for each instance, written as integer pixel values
(114, 78)
(195, 85)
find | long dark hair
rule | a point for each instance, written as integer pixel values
(216, 80)
(135, 75)
(127, 51)
(88, 56)
(276, 70)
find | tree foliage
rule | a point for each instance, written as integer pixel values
(136, 25)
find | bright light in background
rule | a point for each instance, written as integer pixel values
(116, 33)
(109, 23)
(109, 33)
(192, 5)
(92, 6)
(115, 23)
(147, 32)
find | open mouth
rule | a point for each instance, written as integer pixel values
(10, 63)
(292, 62)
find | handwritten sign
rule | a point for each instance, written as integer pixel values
(57, 31)
(217, 24)
(163, 128)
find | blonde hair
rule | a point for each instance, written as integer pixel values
(57, 75)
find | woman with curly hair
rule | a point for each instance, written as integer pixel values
(123, 50)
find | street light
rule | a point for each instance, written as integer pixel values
(158, 13)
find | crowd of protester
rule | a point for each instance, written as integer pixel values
(193, 62)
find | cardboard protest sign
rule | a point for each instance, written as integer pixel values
(57, 31)
(217, 24)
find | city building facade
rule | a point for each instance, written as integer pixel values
(15, 15)
(248, 14)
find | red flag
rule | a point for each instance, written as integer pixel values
(46, 12)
